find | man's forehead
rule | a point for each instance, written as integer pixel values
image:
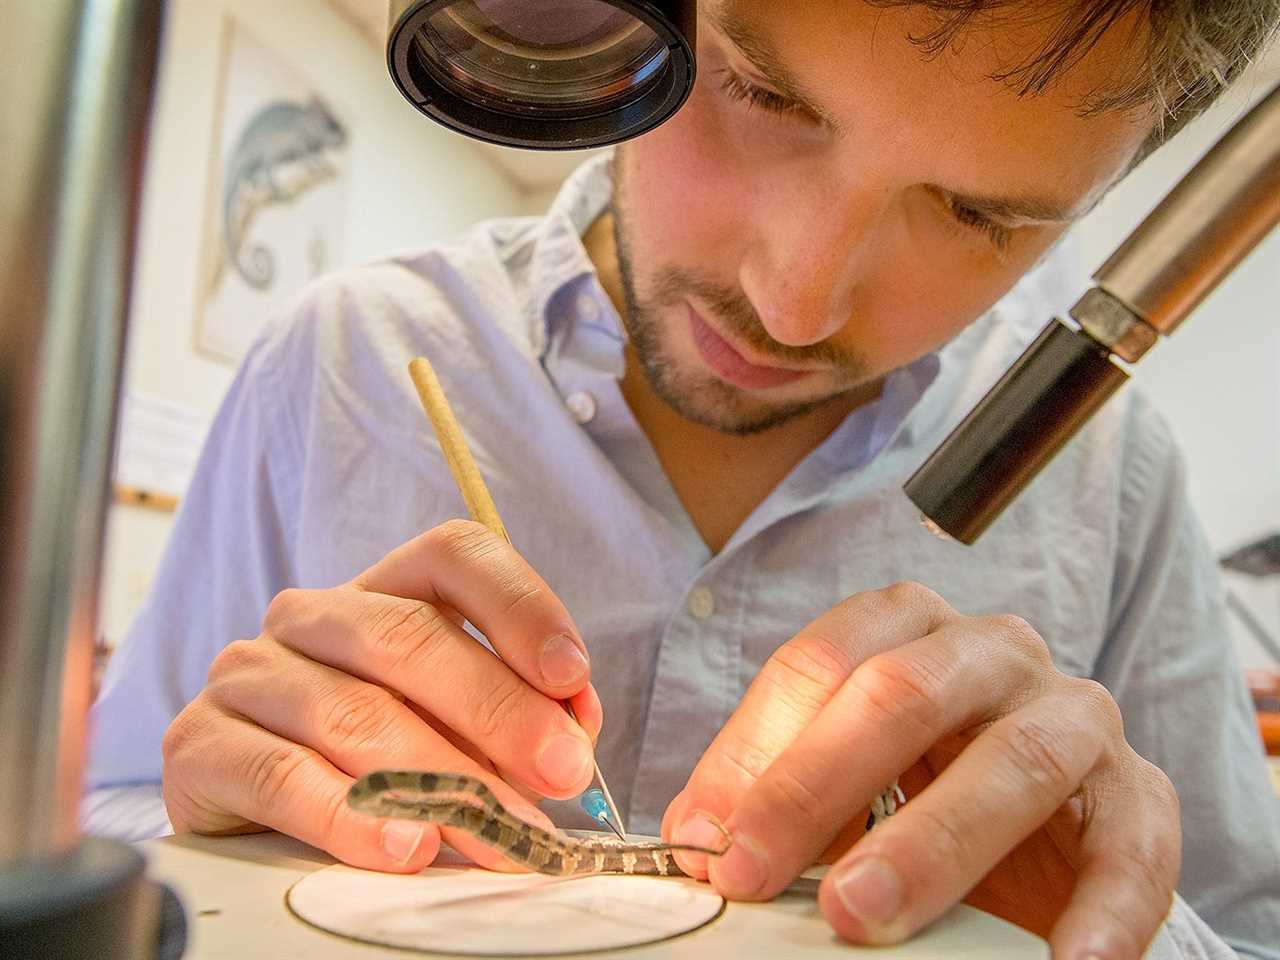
(993, 41)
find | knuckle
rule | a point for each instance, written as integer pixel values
(358, 718)
(184, 732)
(1013, 625)
(495, 711)
(905, 689)
(272, 776)
(460, 540)
(521, 592)
(1160, 796)
(1100, 703)
(1161, 786)
(1166, 858)
(1151, 871)
(911, 593)
(238, 657)
(330, 821)
(1120, 924)
(810, 665)
(409, 635)
(742, 760)
(1040, 753)
(285, 606)
(792, 792)
(1019, 634)
(947, 841)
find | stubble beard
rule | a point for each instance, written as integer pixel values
(700, 397)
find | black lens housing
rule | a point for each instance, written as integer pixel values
(1039, 404)
(549, 128)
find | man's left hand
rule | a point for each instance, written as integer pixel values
(1024, 797)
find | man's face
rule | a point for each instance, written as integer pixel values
(777, 253)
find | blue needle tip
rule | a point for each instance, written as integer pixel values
(593, 802)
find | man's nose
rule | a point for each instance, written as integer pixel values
(803, 269)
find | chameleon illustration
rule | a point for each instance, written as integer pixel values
(280, 155)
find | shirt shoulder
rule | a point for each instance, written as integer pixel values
(465, 298)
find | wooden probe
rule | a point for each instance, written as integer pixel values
(476, 496)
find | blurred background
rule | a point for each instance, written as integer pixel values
(233, 224)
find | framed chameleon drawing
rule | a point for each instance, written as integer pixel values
(275, 205)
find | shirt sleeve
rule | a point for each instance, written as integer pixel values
(1170, 662)
(1185, 936)
(227, 556)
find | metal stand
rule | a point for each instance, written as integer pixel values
(76, 79)
(93, 903)
(1253, 625)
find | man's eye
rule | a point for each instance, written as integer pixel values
(740, 88)
(999, 234)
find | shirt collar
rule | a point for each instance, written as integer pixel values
(559, 258)
(865, 433)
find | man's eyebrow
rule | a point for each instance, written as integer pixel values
(1042, 209)
(764, 57)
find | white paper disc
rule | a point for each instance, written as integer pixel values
(474, 912)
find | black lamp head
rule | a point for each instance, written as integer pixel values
(1052, 390)
(1261, 558)
(544, 74)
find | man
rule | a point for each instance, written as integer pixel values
(695, 389)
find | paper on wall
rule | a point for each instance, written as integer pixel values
(158, 444)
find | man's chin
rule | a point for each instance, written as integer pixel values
(728, 409)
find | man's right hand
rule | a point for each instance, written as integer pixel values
(379, 673)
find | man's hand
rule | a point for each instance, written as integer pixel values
(1024, 797)
(379, 673)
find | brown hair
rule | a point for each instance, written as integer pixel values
(1188, 50)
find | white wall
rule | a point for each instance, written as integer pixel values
(1217, 379)
(538, 201)
(409, 183)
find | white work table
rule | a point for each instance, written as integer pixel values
(234, 888)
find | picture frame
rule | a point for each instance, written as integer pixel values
(275, 207)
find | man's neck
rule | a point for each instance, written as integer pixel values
(720, 478)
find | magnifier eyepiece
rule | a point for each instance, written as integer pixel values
(550, 74)
(525, 62)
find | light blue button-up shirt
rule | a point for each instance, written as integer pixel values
(321, 461)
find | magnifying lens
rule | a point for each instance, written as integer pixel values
(544, 74)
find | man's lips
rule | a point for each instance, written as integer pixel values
(728, 364)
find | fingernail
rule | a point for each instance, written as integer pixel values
(565, 761)
(742, 871)
(400, 839)
(563, 662)
(871, 891)
(698, 830)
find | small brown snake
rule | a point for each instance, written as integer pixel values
(457, 800)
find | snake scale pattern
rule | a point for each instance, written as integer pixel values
(457, 800)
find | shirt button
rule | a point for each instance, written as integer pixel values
(588, 308)
(702, 602)
(582, 406)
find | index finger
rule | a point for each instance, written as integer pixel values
(463, 565)
(792, 688)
